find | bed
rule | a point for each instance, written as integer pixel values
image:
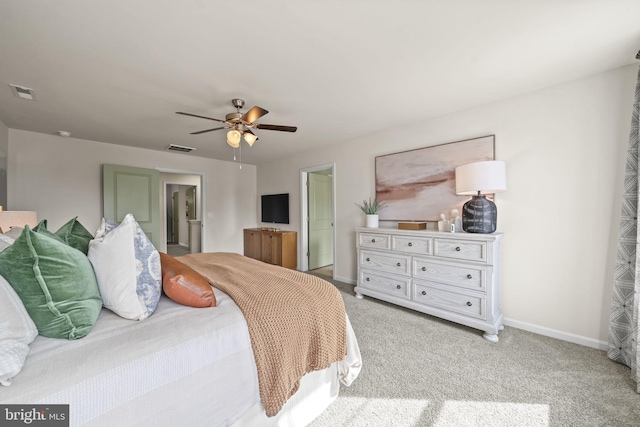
(185, 365)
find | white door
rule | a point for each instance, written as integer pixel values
(136, 191)
(320, 220)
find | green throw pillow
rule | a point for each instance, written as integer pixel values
(42, 225)
(55, 282)
(41, 228)
(75, 235)
(72, 233)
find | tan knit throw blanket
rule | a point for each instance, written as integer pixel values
(296, 321)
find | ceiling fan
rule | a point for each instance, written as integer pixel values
(241, 124)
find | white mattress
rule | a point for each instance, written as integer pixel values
(181, 366)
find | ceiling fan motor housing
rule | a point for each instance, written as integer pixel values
(233, 117)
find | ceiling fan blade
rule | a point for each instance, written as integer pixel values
(275, 127)
(254, 114)
(209, 130)
(201, 117)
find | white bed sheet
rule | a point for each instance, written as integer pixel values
(181, 366)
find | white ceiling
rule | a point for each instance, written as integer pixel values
(117, 71)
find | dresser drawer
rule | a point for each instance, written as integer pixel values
(467, 276)
(460, 249)
(414, 245)
(390, 263)
(468, 303)
(397, 286)
(374, 241)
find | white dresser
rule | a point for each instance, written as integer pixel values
(454, 276)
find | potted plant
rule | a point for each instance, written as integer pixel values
(371, 208)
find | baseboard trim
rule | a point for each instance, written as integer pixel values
(536, 329)
(345, 280)
(554, 333)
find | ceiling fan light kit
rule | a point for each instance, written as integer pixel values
(233, 138)
(241, 124)
(250, 137)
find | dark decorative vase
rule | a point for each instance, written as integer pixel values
(479, 215)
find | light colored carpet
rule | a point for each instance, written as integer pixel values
(327, 270)
(174, 249)
(419, 370)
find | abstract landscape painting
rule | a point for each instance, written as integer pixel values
(419, 185)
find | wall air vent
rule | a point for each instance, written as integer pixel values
(23, 92)
(180, 148)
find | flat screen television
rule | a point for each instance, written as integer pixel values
(275, 208)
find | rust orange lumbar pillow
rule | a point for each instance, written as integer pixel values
(184, 285)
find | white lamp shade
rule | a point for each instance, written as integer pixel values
(250, 137)
(233, 138)
(10, 219)
(485, 177)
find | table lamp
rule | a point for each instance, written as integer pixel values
(479, 215)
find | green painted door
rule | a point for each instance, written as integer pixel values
(320, 221)
(133, 190)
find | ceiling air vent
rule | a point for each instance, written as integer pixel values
(180, 148)
(23, 92)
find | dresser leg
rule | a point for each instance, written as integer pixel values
(359, 295)
(490, 337)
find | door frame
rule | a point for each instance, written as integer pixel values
(199, 208)
(304, 213)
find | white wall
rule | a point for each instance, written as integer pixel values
(62, 177)
(564, 147)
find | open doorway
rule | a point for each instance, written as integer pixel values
(183, 207)
(318, 219)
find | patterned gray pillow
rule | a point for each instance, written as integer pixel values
(149, 269)
(127, 267)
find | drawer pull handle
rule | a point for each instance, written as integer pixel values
(458, 248)
(424, 292)
(398, 287)
(368, 279)
(424, 269)
(373, 240)
(469, 303)
(469, 276)
(398, 264)
(368, 260)
(410, 244)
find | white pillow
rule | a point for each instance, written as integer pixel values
(127, 268)
(5, 241)
(17, 331)
(14, 232)
(9, 237)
